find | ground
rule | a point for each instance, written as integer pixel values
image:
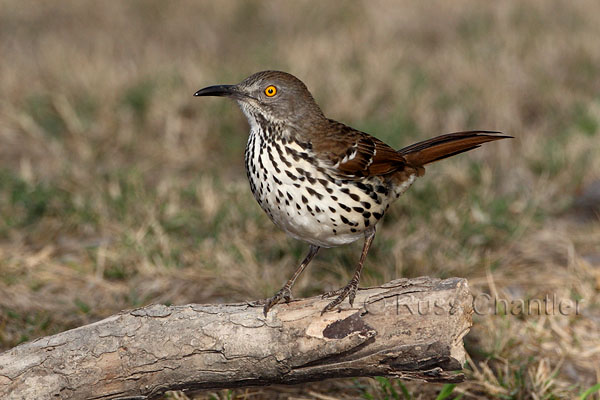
(120, 189)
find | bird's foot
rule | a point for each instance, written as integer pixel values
(348, 291)
(284, 294)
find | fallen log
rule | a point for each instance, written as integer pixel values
(407, 328)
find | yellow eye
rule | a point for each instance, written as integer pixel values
(271, 91)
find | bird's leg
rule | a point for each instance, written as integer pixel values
(285, 292)
(350, 289)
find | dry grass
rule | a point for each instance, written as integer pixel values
(118, 188)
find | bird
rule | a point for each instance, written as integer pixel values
(319, 180)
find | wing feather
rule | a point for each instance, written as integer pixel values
(354, 154)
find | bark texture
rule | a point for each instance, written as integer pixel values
(412, 329)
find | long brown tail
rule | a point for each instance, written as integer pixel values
(448, 145)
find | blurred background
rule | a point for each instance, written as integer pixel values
(119, 189)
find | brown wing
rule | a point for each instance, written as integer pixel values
(354, 154)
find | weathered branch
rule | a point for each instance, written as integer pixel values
(407, 328)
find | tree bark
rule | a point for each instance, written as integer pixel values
(412, 329)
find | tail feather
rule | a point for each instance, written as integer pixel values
(444, 146)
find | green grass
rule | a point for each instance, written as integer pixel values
(594, 389)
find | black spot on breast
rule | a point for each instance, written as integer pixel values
(377, 215)
(313, 192)
(290, 175)
(366, 204)
(304, 199)
(358, 209)
(332, 209)
(345, 220)
(293, 153)
(367, 214)
(286, 162)
(305, 145)
(365, 188)
(345, 207)
(305, 156)
(374, 196)
(281, 155)
(275, 165)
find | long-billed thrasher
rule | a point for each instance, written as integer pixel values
(319, 180)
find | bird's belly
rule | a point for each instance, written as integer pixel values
(302, 215)
(305, 202)
(317, 228)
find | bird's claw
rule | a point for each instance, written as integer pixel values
(348, 291)
(283, 294)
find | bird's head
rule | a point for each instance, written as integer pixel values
(274, 96)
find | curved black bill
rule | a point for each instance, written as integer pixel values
(218, 90)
